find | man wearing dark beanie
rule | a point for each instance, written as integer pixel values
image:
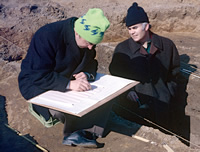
(153, 61)
(136, 15)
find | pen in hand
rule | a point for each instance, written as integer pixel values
(138, 101)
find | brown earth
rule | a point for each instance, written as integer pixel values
(176, 19)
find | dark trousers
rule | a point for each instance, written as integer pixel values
(94, 121)
(151, 109)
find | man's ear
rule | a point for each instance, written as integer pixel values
(147, 27)
(76, 34)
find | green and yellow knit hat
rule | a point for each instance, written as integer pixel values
(92, 25)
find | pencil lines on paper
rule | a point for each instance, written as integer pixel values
(104, 88)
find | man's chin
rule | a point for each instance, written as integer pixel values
(134, 39)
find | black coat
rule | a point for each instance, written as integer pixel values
(52, 58)
(157, 72)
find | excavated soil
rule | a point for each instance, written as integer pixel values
(177, 19)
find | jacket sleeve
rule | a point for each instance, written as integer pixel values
(123, 65)
(39, 64)
(91, 67)
(174, 70)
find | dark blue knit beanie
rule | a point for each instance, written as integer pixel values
(136, 15)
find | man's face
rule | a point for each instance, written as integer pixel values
(82, 43)
(138, 32)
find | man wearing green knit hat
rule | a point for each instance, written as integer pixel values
(92, 26)
(61, 57)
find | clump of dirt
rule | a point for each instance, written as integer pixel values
(20, 20)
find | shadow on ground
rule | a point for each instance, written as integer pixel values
(10, 140)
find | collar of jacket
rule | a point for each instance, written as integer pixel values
(69, 38)
(69, 30)
(156, 41)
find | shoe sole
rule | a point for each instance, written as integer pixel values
(79, 145)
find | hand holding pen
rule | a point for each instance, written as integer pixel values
(132, 95)
(80, 83)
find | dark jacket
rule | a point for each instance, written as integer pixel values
(52, 58)
(157, 71)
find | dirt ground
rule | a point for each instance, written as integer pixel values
(177, 19)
